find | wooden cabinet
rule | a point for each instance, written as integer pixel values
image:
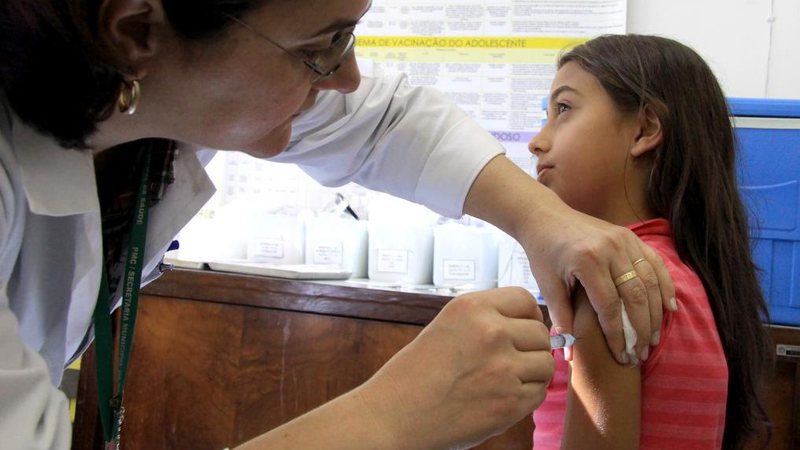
(783, 392)
(221, 358)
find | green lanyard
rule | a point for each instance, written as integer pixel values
(111, 410)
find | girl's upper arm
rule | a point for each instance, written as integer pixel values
(604, 400)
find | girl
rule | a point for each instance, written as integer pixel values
(639, 135)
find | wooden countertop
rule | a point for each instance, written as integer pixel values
(415, 308)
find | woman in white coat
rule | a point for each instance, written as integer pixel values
(95, 91)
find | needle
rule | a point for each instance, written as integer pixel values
(561, 341)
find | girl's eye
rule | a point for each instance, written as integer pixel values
(561, 108)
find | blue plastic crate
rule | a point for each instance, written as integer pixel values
(768, 166)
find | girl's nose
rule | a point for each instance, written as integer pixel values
(539, 143)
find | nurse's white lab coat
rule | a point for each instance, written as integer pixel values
(410, 142)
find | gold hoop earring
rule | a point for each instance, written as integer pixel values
(128, 97)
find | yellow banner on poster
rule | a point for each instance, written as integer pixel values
(468, 42)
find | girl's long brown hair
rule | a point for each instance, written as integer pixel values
(693, 185)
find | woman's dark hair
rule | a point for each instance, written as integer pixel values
(57, 73)
(693, 184)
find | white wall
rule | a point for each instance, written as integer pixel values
(752, 45)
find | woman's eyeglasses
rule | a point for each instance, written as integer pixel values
(324, 63)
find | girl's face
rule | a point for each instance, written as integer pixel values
(240, 91)
(583, 150)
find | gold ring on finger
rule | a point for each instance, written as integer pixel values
(638, 261)
(624, 278)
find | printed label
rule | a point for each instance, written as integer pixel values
(392, 261)
(458, 269)
(266, 248)
(327, 252)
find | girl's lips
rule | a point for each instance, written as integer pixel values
(541, 170)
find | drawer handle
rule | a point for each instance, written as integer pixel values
(788, 351)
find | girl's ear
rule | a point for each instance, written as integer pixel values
(650, 135)
(129, 28)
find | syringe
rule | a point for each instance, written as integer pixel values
(561, 341)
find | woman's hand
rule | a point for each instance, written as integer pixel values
(566, 247)
(478, 368)
(595, 253)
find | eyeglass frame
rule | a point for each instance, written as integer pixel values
(320, 73)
